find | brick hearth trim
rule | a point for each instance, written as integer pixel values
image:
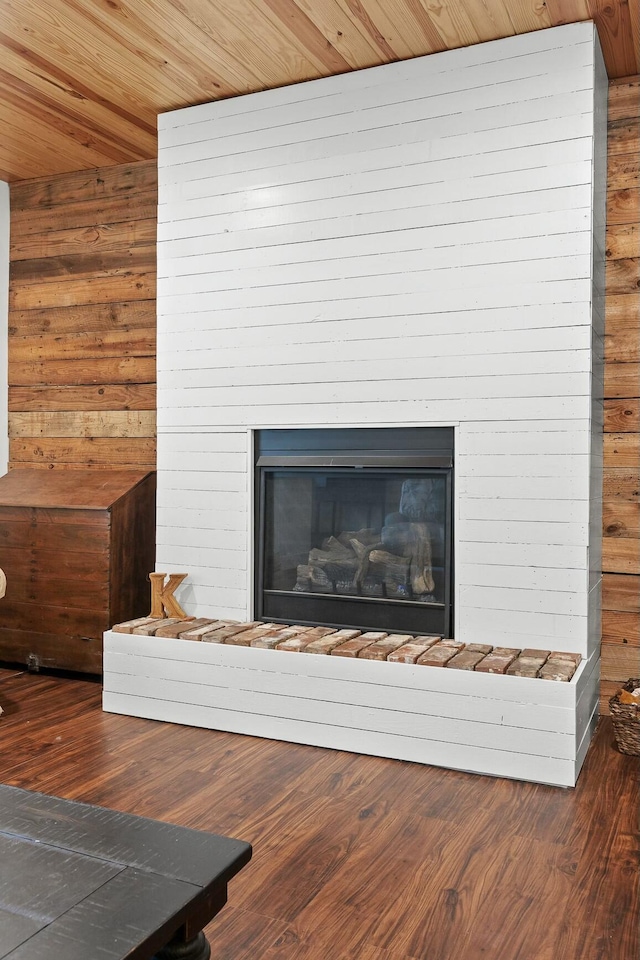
(432, 651)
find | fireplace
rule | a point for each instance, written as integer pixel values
(354, 528)
(403, 247)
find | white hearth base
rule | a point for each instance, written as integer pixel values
(514, 727)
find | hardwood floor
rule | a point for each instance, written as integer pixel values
(355, 858)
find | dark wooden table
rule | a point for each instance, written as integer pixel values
(79, 882)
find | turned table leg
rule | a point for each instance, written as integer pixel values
(179, 949)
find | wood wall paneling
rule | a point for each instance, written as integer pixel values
(82, 336)
(97, 357)
(621, 494)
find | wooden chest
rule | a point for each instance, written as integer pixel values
(76, 547)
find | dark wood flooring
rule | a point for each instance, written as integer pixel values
(355, 857)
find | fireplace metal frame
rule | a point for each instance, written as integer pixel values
(413, 450)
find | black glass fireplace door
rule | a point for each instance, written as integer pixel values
(355, 546)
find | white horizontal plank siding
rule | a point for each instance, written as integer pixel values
(484, 335)
(504, 726)
(456, 756)
(416, 244)
(382, 248)
(447, 74)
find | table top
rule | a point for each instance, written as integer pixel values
(84, 882)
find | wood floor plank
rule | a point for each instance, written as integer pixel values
(355, 857)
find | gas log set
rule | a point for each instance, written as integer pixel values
(395, 561)
(369, 645)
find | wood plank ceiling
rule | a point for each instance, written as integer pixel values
(82, 81)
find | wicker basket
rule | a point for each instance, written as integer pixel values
(626, 721)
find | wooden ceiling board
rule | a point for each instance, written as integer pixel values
(116, 129)
(31, 70)
(402, 25)
(190, 23)
(179, 45)
(63, 125)
(27, 138)
(358, 46)
(107, 60)
(297, 41)
(493, 21)
(528, 16)
(82, 81)
(455, 25)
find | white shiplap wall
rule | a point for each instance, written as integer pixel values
(407, 245)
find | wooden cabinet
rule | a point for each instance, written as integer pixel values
(76, 547)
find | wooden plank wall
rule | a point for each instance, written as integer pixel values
(82, 336)
(621, 533)
(82, 344)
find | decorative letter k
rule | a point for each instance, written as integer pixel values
(162, 598)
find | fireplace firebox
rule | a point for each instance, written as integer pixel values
(354, 528)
